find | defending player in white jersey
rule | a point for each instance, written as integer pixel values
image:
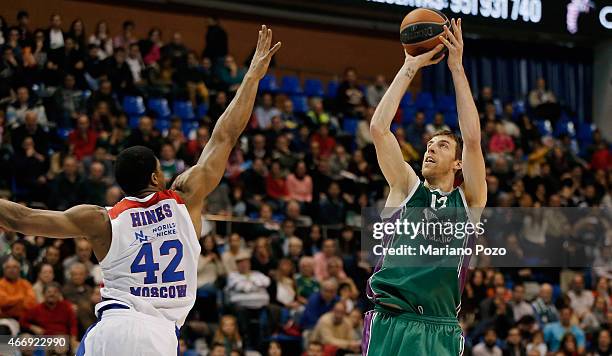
(147, 244)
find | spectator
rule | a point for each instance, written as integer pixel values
(350, 98)
(102, 40)
(513, 344)
(520, 307)
(540, 95)
(145, 135)
(104, 93)
(543, 306)
(265, 112)
(79, 293)
(231, 75)
(126, 37)
(332, 208)
(334, 331)
(262, 259)
(119, 72)
(227, 335)
(175, 50)
(135, 64)
(501, 142)
(82, 139)
(416, 131)
(23, 24)
(53, 316)
(376, 90)
(299, 184)
(18, 253)
(363, 136)
(170, 165)
(30, 168)
(16, 111)
(55, 35)
(16, 293)
(216, 40)
(319, 304)
(77, 32)
(150, 48)
(554, 332)
(229, 256)
(51, 256)
(210, 266)
(45, 276)
(325, 141)
(485, 98)
(64, 188)
(537, 344)
(602, 346)
(437, 124)
(581, 300)
(488, 347)
(92, 189)
(68, 102)
(83, 255)
(317, 115)
(247, 294)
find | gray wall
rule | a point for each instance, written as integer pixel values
(602, 88)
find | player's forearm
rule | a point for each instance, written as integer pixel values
(13, 216)
(237, 115)
(386, 109)
(469, 121)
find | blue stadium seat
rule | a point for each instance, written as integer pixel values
(446, 103)
(183, 109)
(519, 107)
(406, 100)
(429, 115)
(291, 85)
(544, 126)
(160, 107)
(63, 133)
(408, 115)
(189, 129)
(133, 105)
(300, 104)
(585, 132)
(565, 127)
(201, 110)
(332, 88)
(451, 119)
(313, 87)
(268, 84)
(424, 100)
(162, 125)
(133, 122)
(349, 125)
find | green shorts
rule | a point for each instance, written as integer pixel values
(389, 333)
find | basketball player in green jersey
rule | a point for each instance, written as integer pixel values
(417, 298)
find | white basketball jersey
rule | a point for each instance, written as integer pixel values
(153, 258)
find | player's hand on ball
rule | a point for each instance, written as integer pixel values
(454, 43)
(263, 53)
(425, 59)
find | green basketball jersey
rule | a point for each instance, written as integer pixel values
(427, 282)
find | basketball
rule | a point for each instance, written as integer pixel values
(420, 29)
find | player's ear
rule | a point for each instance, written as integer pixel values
(458, 164)
(154, 180)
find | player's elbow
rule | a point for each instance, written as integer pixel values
(377, 130)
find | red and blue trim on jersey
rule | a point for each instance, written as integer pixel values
(127, 204)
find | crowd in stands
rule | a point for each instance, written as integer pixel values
(285, 274)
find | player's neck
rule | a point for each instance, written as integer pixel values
(145, 192)
(444, 184)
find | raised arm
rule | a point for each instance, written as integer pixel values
(398, 173)
(89, 221)
(197, 182)
(473, 164)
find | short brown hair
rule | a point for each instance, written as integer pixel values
(456, 138)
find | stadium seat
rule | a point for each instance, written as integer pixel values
(162, 124)
(133, 122)
(406, 100)
(424, 100)
(585, 132)
(332, 89)
(313, 87)
(544, 126)
(349, 126)
(133, 106)
(291, 85)
(268, 84)
(451, 119)
(408, 115)
(300, 103)
(564, 127)
(201, 110)
(160, 107)
(446, 103)
(519, 107)
(189, 129)
(183, 109)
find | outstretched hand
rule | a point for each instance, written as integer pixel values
(263, 53)
(454, 43)
(425, 59)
